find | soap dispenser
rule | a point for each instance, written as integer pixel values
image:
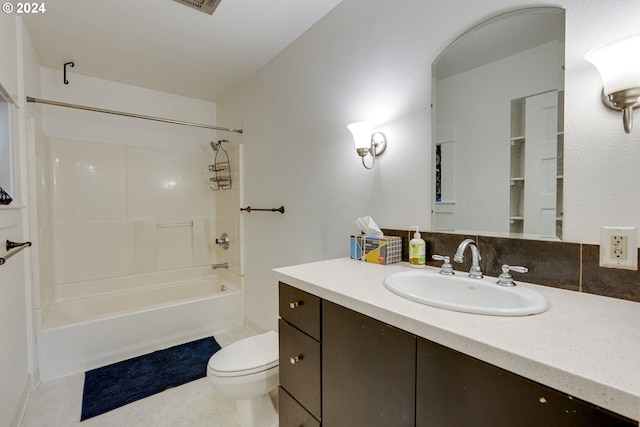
(417, 249)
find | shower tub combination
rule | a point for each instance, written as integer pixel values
(99, 322)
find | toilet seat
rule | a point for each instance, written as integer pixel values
(247, 356)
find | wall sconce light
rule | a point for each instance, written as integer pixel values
(619, 65)
(367, 142)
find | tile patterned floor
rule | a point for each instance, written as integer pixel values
(58, 403)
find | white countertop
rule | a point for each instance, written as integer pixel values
(585, 345)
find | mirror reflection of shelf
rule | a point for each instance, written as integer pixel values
(560, 165)
(518, 118)
(517, 205)
(517, 159)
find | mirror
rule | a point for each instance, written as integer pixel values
(498, 128)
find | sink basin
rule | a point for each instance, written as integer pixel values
(461, 293)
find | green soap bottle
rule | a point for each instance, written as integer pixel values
(417, 249)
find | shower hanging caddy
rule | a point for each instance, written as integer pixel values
(221, 168)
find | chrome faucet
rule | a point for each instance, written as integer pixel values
(223, 265)
(475, 271)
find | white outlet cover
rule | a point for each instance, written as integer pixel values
(606, 258)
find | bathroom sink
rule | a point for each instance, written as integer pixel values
(461, 293)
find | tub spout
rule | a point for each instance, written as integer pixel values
(223, 265)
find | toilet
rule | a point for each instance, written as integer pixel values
(247, 371)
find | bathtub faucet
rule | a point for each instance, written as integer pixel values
(223, 265)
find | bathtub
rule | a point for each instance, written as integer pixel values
(96, 323)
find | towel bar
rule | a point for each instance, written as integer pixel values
(249, 209)
(12, 249)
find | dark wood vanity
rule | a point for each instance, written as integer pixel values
(340, 368)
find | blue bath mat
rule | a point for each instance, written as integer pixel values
(116, 385)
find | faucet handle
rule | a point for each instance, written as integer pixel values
(446, 268)
(223, 241)
(505, 278)
(516, 268)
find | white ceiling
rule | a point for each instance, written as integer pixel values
(167, 46)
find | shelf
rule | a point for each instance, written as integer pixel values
(516, 167)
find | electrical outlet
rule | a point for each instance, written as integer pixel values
(619, 248)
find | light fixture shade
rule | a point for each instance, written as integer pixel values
(618, 63)
(361, 134)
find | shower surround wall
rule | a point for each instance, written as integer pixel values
(121, 210)
(121, 198)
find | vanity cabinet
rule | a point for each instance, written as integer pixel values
(299, 358)
(455, 390)
(352, 370)
(368, 371)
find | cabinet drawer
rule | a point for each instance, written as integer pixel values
(292, 414)
(300, 377)
(301, 309)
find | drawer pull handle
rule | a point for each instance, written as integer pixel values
(295, 359)
(295, 304)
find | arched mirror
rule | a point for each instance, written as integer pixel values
(498, 140)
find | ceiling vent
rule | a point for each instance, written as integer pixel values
(207, 6)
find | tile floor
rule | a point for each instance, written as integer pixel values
(58, 403)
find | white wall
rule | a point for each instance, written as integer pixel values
(9, 55)
(14, 314)
(13, 322)
(371, 59)
(60, 122)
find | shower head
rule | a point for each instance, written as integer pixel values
(217, 145)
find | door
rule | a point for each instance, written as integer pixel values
(541, 164)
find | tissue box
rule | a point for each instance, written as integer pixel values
(378, 250)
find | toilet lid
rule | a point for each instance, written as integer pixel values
(249, 355)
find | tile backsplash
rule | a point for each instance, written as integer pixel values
(572, 266)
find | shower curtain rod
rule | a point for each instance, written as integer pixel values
(136, 116)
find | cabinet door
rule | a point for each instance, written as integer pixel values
(368, 371)
(455, 390)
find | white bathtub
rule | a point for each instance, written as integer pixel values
(100, 322)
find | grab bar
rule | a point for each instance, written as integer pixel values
(12, 249)
(175, 224)
(249, 209)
